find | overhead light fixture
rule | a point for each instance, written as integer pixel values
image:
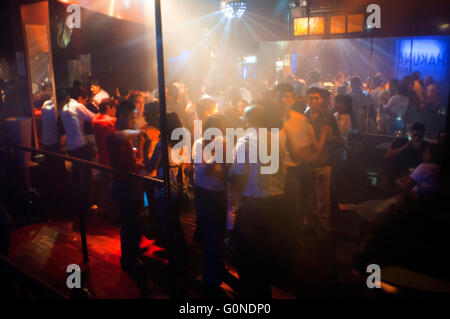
(233, 9)
(298, 3)
(293, 4)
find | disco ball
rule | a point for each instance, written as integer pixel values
(233, 9)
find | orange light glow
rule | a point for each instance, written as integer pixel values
(300, 26)
(388, 288)
(337, 24)
(316, 25)
(355, 23)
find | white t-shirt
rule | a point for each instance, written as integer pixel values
(298, 134)
(259, 185)
(427, 176)
(100, 96)
(397, 104)
(73, 116)
(201, 178)
(49, 126)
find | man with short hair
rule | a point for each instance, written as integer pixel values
(330, 159)
(81, 95)
(98, 93)
(301, 152)
(73, 115)
(405, 153)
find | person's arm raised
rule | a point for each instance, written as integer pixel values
(393, 152)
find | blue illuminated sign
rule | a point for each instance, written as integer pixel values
(429, 57)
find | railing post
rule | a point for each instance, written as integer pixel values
(82, 206)
(162, 104)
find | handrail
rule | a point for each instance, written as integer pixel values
(90, 164)
(54, 292)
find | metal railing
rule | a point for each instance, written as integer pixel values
(89, 164)
(28, 283)
(82, 210)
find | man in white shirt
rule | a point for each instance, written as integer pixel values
(52, 129)
(73, 116)
(257, 229)
(98, 93)
(301, 151)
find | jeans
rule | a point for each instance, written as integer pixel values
(299, 202)
(211, 208)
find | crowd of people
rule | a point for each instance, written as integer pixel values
(270, 211)
(386, 107)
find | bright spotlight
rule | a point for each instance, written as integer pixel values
(233, 8)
